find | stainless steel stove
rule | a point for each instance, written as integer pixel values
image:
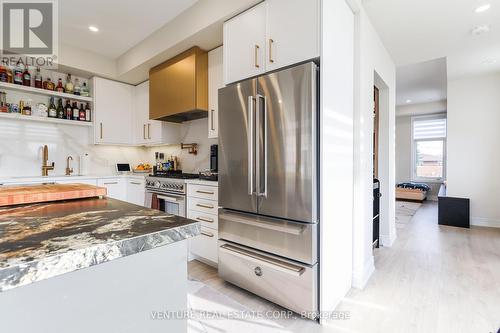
(167, 192)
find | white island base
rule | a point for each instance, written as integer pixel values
(119, 296)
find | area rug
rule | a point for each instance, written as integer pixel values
(211, 311)
(404, 212)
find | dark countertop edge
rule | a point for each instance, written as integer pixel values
(190, 230)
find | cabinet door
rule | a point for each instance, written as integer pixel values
(205, 245)
(245, 44)
(113, 112)
(292, 32)
(215, 81)
(140, 113)
(115, 186)
(136, 192)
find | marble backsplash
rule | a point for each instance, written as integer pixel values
(21, 145)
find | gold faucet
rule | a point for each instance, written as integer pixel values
(45, 166)
(69, 169)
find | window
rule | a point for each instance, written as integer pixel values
(429, 147)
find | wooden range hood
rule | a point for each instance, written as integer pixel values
(178, 88)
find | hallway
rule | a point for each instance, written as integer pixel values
(434, 279)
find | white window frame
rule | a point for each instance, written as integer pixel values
(414, 176)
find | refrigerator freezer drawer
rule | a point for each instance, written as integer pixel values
(286, 283)
(293, 240)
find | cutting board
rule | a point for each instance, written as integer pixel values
(25, 194)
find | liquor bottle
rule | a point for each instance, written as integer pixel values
(88, 116)
(27, 108)
(10, 77)
(38, 79)
(60, 109)
(77, 88)
(3, 74)
(18, 74)
(52, 109)
(76, 112)
(82, 113)
(49, 85)
(68, 110)
(26, 77)
(21, 107)
(69, 84)
(59, 87)
(84, 91)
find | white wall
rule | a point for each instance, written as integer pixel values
(371, 57)
(473, 145)
(336, 156)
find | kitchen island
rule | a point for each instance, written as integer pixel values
(92, 265)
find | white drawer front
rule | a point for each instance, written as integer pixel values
(205, 244)
(207, 220)
(203, 192)
(203, 206)
(291, 285)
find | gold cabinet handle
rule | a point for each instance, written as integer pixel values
(208, 234)
(101, 130)
(256, 55)
(204, 192)
(144, 131)
(149, 131)
(204, 219)
(271, 41)
(205, 206)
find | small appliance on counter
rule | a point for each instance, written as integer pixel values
(84, 164)
(208, 175)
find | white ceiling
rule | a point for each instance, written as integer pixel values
(122, 23)
(421, 83)
(419, 30)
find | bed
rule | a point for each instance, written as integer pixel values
(412, 191)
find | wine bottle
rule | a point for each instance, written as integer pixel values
(26, 77)
(76, 112)
(60, 109)
(88, 116)
(68, 110)
(52, 109)
(38, 78)
(18, 74)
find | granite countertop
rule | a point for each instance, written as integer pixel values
(44, 240)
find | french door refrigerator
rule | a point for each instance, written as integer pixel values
(268, 186)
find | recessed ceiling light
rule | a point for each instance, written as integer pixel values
(408, 101)
(480, 29)
(483, 8)
(93, 28)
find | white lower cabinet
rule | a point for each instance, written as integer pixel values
(136, 191)
(204, 246)
(202, 205)
(116, 187)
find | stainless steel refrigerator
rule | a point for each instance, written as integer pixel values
(268, 186)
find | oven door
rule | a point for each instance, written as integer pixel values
(170, 203)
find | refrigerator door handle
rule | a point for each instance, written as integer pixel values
(251, 136)
(264, 144)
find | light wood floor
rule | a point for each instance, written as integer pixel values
(434, 279)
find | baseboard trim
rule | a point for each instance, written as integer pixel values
(387, 240)
(360, 279)
(484, 222)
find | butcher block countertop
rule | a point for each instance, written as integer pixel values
(27, 194)
(43, 240)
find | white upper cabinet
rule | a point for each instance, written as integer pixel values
(112, 112)
(245, 44)
(271, 35)
(140, 113)
(292, 32)
(215, 82)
